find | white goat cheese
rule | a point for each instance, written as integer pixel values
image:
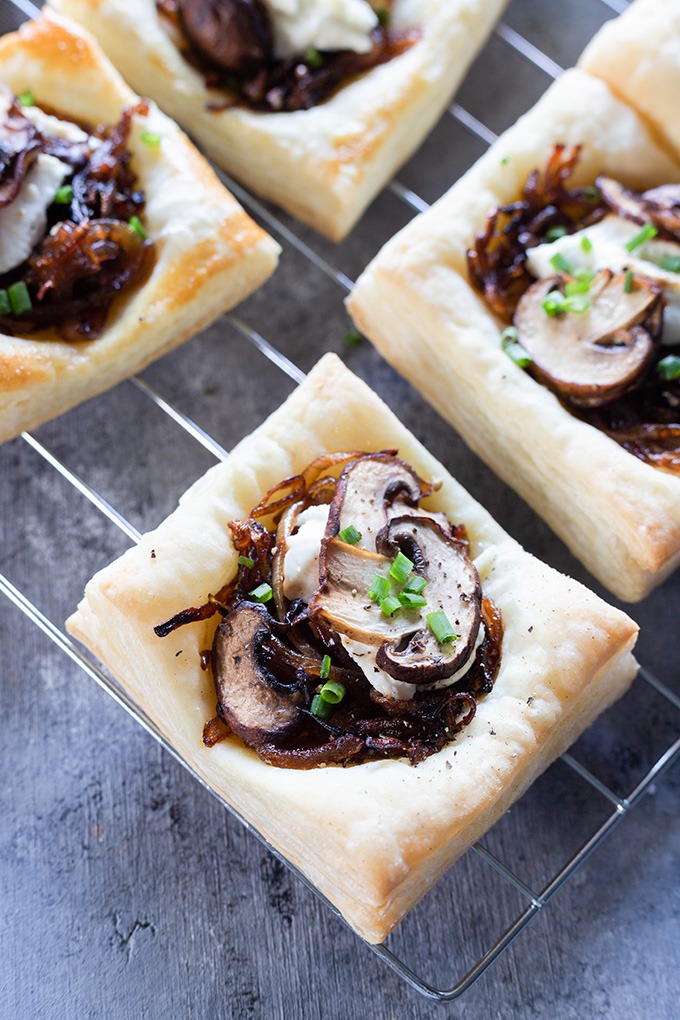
(23, 221)
(607, 250)
(301, 25)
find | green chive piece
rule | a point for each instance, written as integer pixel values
(576, 287)
(333, 692)
(353, 337)
(138, 227)
(505, 160)
(325, 667)
(586, 244)
(26, 98)
(19, 298)
(577, 303)
(584, 276)
(669, 367)
(151, 138)
(350, 535)
(314, 59)
(63, 195)
(439, 624)
(401, 568)
(390, 605)
(380, 588)
(552, 303)
(559, 263)
(647, 232)
(320, 708)
(409, 600)
(383, 17)
(509, 335)
(628, 282)
(5, 306)
(245, 561)
(415, 586)
(592, 194)
(514, 350)
(262, 593)
(671, 263)
(555, 233)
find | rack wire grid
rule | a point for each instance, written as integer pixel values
(184, 412)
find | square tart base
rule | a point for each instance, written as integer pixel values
(210, 254)
(353, 831)
(618, 515)
(323, 165)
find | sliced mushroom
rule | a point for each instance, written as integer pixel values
(660, 206)
(591, 358)
(407, 649)
(247, 698)
(233, 35)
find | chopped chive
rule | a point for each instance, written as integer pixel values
(245, 561)
(559, 263)
(586, 244)
(505, 160)
(584, 276)
(325, 667)
(350, 535)
(592, 194)
(647, 232)
(556, 303)
(5, 306)
(151, 138)
(671, 263)
(401, 568)
(669, 367)
(439, 624)
(552, 303)
(390, 605)
(383, 17)
(577, 303)
(409, 600)
(518, 354)
(380, 588)
(555, 233)
(138, 227)
(19, 298)
(628, 282)
(509, 335)
(314, 59)
(262, 593)
(26, 98)
(63, 195)
(353, 337)
(415, 586)
(576, 287)
(333, 692)
(321, 708)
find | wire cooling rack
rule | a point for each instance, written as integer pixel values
(310, 256)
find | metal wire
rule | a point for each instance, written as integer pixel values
(535, 901)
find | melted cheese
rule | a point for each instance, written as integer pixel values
(608, 240)
(301, 25)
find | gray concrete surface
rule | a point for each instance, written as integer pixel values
(125, 889)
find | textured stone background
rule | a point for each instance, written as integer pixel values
(126, 890)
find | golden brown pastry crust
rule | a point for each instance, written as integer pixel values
(324, 165)
(210, 253)
(620, 516)
(638, 55)
(353, 831)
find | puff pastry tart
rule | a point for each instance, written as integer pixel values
(638, 55)
(290, 699)
(323, 163)
(547, 251)
(117, 241)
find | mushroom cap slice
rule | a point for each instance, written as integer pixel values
(660, 206)
(592, 358)
(234, 35)
(406, 648)
(246, 699)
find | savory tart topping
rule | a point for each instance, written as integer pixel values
(373, 639)
(281, 55)
(595, 356)
(589, 279)
(71, 238)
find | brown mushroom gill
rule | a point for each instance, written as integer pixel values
(406, 648)
(593, 357)
(659, 206)
(234, 35)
